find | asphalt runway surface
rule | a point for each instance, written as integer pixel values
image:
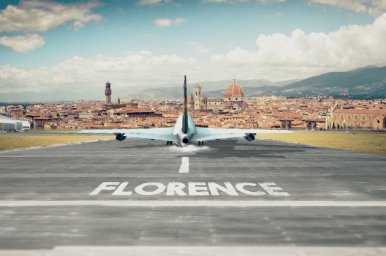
(231, 197)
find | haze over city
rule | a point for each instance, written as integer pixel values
(67, 50)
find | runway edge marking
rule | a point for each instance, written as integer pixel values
(201, 250)
(191, 203)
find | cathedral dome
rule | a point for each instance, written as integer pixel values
(234, 90)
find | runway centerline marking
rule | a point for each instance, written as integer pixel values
(184, 168)
(191, 203)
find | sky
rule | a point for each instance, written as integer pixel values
(67, 49)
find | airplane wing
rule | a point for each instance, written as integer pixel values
(205, 134)
(165, 134)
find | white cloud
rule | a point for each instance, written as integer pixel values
(138, 68)
(33, 16)
(40, 16)
(153, 2)
(78, 25)
(277, 57)
(314, 53)
(165, 22)
(23, 43)
(372, 7)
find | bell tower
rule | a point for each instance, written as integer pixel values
(108, 93)
(197, 97)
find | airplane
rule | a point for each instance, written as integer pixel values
(185, 131)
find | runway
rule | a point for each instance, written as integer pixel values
(228, 197)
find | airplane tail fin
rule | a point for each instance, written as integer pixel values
(185, 127)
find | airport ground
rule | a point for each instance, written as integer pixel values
(359, 141)
(11, 141)
(231, 197)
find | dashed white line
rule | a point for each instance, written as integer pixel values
(184, 168)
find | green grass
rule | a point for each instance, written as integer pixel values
(44, 131)
(13, 141)
(369, 142)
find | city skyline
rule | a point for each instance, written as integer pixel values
(68, 48)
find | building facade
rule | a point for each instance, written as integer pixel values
(357, 119)
(197, 97)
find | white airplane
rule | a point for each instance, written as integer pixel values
(184, 132)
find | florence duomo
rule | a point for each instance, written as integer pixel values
(233, 99)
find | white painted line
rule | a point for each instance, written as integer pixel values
(202, 250)
(191, 203)
(184, 168)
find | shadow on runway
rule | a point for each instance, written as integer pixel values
(237, 148)
(228, 148)
(150, 146)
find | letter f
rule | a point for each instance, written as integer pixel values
(104, 186)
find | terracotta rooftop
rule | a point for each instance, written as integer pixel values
(286, 115)
(361, 111)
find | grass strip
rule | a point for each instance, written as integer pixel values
(8, 142)
(369, 142)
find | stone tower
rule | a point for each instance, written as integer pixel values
(197, 97)
(108, 93)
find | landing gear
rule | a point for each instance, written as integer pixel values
(169, 143)
(200, 143)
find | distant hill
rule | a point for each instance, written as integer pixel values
(211, 89)
(362, 83)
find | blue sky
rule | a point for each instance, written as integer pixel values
(108, 37)
(127, 26)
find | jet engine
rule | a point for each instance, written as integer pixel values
(185, 140)
(120, 136)
(250, 136)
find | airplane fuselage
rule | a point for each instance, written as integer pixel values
(182, 138)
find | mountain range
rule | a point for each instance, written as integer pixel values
(364, 83)
(211, 89)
